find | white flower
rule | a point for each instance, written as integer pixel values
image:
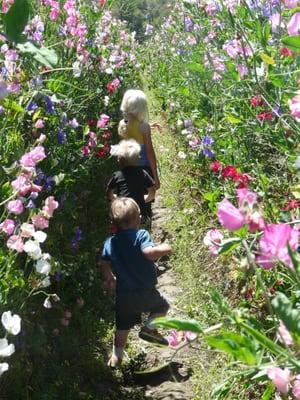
(297, 163)
(179, 123)
(47, 303)
(32, 248)
(3, 368)
(43, 267)
(114, 150)
(46, 282)
(40, 236)
(109, 71)
(106, 100)
(12, 323)
(6, 349)
(27, 230)
(181, 155)
(76, 69)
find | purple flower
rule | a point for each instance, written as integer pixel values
(49, 105)
(207, 141)
(2, 110)
(61, 137)
(277, 111)
(208, 153)
(188, 123)
(49, 183)
(189, 25)
(32, 106)
(30, 205)
(76, 238)
(64, 119)
(34, 195)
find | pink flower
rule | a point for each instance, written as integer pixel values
(15, 207)
(113, 85)
(255, 221)
(15, 243)
(50, 206)
(27, 230)
(188, 336)
(40, 222)
(294, 105)
(246, 198)
(291, 3)
(286, 52)
(293, 25)
(173, 339)
(296, 388)
(229, 216)
(7, 226)
(103, 121)
(280, 378)
(85, 150)
(21, 185)
(39, 124)
(54, 13)
(273, 245)
(67, 314)
(41, 138)
(216, 166)
(257, 101)
(34, 156)
(284, 335)
(275, 20)
(212, 238)
(191, 40)
(242, 70)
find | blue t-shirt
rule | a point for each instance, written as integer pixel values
(133, 271)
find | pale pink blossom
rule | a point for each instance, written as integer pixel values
(229, 216)
(50, 206)
(40, 222)
(293, 25)
(41, 138)
(242, 70)
(34, 156)
(21, 185)
(294, 105)
(191, 40)
(103, 121)
(7, 226)
(175, 338)
(284, 335)
(213, 239)
(27, 230)
(275, 20)
(39, 124)
(273, 245)
(291, 3)
(15, 243)
(280, 378)
(296, 388)
(15, 207)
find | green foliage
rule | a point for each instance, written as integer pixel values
(180, 325)
(16, 19)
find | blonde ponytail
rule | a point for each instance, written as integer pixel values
(123, 129)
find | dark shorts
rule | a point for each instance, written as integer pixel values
(130, 306)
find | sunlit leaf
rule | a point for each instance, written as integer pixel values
(180, 325)
(267, 59)
(43, 55)
(228, 245)
(292, 42)
(233, 119)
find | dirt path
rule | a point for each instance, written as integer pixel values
(172, 382)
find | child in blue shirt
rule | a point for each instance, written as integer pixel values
(128, 267)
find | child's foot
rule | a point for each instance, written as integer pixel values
(153, 336)
(114, 362)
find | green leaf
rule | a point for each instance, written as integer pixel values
(285, 311)
(183, 91)
(235, 344)
(295, 190)
(16, 19)
(277, 80)
(233, 119)
(195, 67)
(267, 395)
(292, 42)
(180, 325)
(13, 106)
(43, 55)
(228, 245)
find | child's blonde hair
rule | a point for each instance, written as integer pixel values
(125, 212)
(135, 103)
(128, 152)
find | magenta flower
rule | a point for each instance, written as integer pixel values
(7, 226)
(229, 216)
(15, 243)
(246, 198)
(103, 121)
(15, 207)
(273, 245)
(293, 25)
(281, 378)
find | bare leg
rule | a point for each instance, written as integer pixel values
(120, 340)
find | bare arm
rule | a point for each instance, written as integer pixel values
(145, 128)
(110, 194)
(150, 195)
(109, 278)
(156, 252)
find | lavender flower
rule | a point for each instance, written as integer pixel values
(61, 137)
(76, 238)
(208, 153)
(207, 141)
(32, 106)
(49, 105)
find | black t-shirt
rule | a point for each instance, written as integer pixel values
(132, 182)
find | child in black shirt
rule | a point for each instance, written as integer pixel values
(131, 180)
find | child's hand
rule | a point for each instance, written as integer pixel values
(156, 125)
